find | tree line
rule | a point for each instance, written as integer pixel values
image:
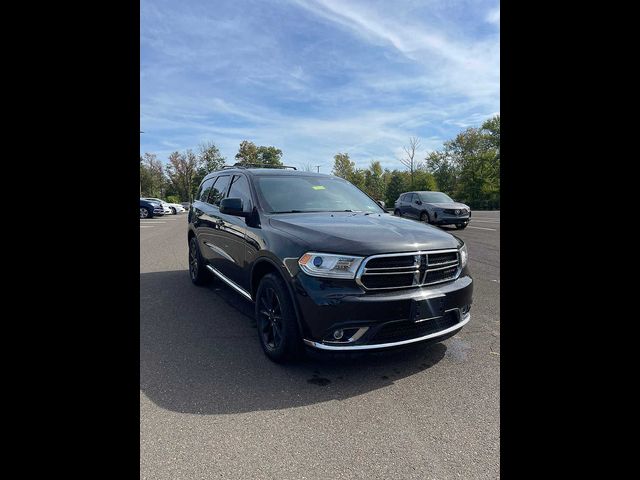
(467, 168)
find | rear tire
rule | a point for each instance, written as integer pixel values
(197, 271)
(173, 210)
(278, 330)
(397, 213)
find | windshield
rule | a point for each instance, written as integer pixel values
(435, 197)
(286, 194)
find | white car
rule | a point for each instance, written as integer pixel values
(169, 208)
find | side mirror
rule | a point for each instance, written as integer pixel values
(418, 202)
(381, 203)
(232, 206)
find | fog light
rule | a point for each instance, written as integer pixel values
(466, 309)
(338, 334)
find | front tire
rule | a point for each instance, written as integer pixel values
(461, 226)
(397, 213)
(197, 271)
(424, 217)
(173, 210)
(278, 330)
(145, 213)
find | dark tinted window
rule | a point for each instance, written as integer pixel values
(301, 193)
(240, 189)
(205, 188)
(435, 197)
(219, 190)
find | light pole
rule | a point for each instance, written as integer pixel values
(318, 167)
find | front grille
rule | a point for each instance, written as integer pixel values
(452, 211)
(405, 330)
(409, 269)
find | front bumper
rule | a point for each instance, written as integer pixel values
(448, 219)
(376, 320)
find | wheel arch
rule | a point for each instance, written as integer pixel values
(264, 266)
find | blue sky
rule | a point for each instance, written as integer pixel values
(316, 77)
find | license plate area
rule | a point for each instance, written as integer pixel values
(423, 310)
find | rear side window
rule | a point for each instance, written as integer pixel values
(205, 189)
(240, 189)
(219, 190)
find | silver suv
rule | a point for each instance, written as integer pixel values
(436, 208)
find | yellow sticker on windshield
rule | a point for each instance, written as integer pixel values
(318, 187)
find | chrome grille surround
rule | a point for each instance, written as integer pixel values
(419, 267)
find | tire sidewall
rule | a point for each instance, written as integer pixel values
(203, 275)
(291, 347)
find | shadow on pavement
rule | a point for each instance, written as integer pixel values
(200, 354)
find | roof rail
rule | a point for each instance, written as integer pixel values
(257, 165)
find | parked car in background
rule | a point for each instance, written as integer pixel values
(173, 208)
(150, 209)
(186, 205)
(324, 264)
(162, 203)
(436, 208)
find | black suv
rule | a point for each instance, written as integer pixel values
(324, 264)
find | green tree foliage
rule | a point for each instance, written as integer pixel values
(152, 179)
(374, 181)
(398, 183)
(182, 171)
(468, 167)
(249, 153)
(269, 156)
(343, 167)
(209, 160)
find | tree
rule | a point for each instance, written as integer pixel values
(249, 153)
(424, 181)
(410, 161)
(269, 156)
(468, 166)
(443, 170)
(182, 171)
(209, 156)
(152, 179)
(209, 160)
(343, 167)
(398, 184)
(373, 181)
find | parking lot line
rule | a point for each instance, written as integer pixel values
(485, 221)
(482, 228)
(146, 226)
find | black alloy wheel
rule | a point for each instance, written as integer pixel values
(197, 271)
(276, 320)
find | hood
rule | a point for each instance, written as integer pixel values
(450, 205)
(360, 233)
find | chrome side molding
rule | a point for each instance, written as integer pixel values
(231, 283)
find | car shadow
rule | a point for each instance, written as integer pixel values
(199, 353)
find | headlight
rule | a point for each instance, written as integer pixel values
(463, 256)
(329, 265)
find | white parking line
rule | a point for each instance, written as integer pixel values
(153, 222)
(485, 221)
(482, 228)
(146, 226)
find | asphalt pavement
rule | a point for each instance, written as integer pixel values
(213, 406)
